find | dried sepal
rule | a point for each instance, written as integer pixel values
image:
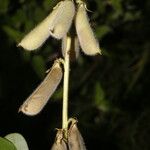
(88, 42)
(57, 24)
(64, 20)
(75, 140)
(59, 143)
(74, 50)
(38, 99)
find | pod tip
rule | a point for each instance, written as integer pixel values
(99, 53)
(19, 45)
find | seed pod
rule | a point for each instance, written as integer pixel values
(59, 143)
(88, 42)
(63, 22)
(75, 140)
(38, 99)
(74, 50)
(40, 33)
(53, 22)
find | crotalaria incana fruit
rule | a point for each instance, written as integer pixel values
(59, 143)
(64, 20)
(88, 42)
(75, 140)
(38, 99)
(54, 24)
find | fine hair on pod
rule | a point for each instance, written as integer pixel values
(87, 40)
(57, 24)
(64, 20)
(38, 99)
(75, 140)
(59, 143)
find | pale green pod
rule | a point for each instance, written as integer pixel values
(59, 143)
(38, 99)
(64, 21)
(87, 40)
(75, 140)
(74, 50)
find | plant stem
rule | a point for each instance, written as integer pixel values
(66, 84)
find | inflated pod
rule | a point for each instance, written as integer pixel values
(38, 99)
(54, 24)
(59, 143)
(74, 49)
(88, 42)
(64, 21)
(75, 140)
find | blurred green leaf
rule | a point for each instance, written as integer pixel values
(132, 16)
(18, 140)
(100, 100)
(39, 66)
(101, 6)
(19, 18)
(138, 70)
(40, 14)
(102, 30)
(6, 144)
(48, 4)
(117, 6)
(58, 94)
(26, 55)
(12, 33)
(4, 6)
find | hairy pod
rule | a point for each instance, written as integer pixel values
(75, 140)
(88, 42)
(57, 24)
(64, 20)
(59, 143)
(38, 99)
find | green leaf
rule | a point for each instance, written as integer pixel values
(12, 33)
(4, 6)
(18, 140)
(18, 19)
(6, 144)
(39, 66)
(100, 100)
(102, 31)
(117, 6)
(101, 6)
(48, 4)
(128, 16)
(26, 55)
(58, 95)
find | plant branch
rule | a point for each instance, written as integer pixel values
(66, 84)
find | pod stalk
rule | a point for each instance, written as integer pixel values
(66, 85)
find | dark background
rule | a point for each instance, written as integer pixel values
(109, 94)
